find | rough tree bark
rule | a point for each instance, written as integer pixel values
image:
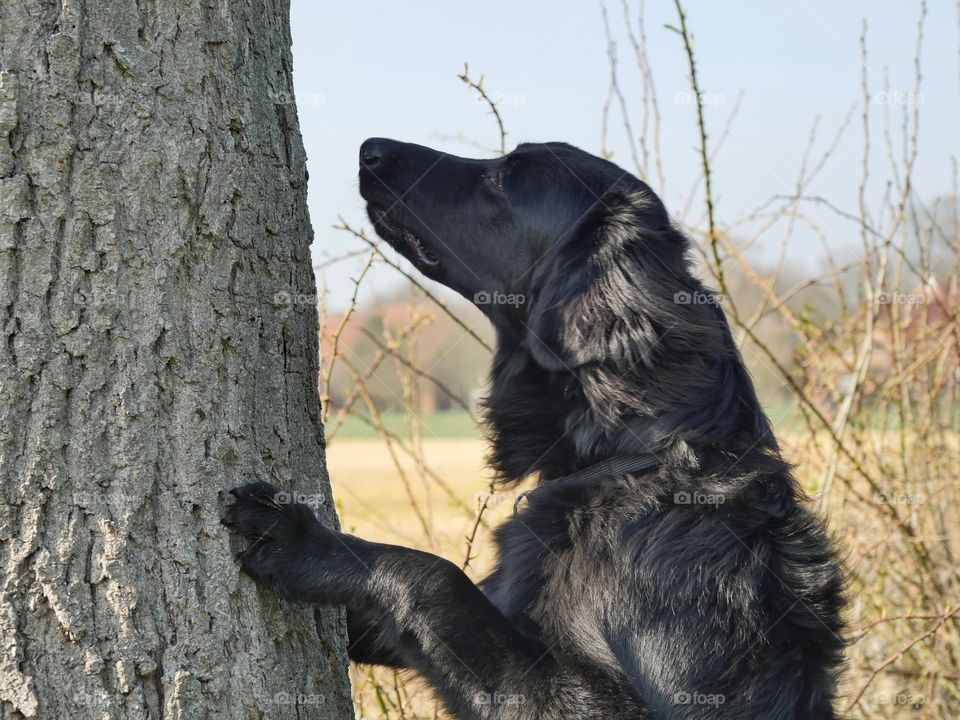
(159, 345)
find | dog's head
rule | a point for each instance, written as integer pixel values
(547, 238)
(483, 227)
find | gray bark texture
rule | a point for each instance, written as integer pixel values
(159, 345)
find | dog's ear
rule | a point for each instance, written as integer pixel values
(615, 309)
(614, 305)
(609, 290)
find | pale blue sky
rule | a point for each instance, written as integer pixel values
(389, 68)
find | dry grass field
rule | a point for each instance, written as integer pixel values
(380, 500)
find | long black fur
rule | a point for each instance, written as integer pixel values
(700, 589)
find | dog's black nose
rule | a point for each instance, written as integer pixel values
(373, 152)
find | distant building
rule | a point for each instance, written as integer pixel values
(422, 356)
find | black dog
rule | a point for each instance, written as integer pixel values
(664, 567)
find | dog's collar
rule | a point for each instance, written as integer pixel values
(608, 468)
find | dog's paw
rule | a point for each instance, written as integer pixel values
(279, 533)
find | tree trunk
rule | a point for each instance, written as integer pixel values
(159, 346)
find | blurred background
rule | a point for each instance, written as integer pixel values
(825, 137)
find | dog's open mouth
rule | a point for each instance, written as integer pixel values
(395, 235)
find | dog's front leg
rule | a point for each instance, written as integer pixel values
(434, 619)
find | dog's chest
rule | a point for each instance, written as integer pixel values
(531, 552)
(548, 581)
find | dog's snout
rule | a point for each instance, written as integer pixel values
(373, 153)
